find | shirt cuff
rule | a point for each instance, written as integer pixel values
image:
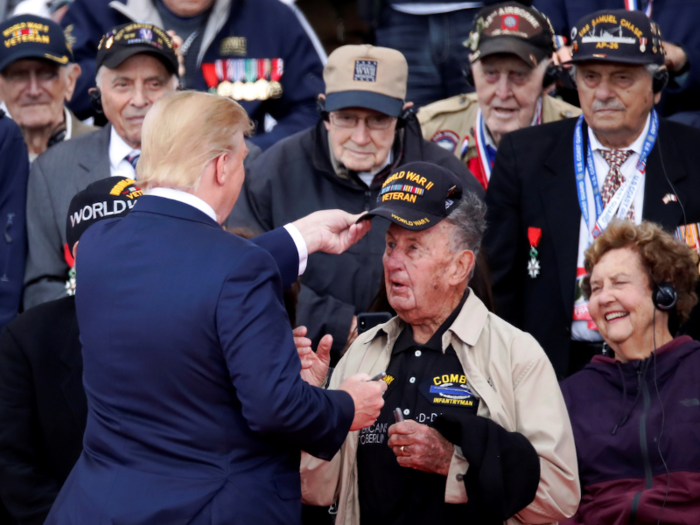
(455, 490)
(300, 244)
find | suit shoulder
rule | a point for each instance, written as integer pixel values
(548, 131)
(288, 151)
(69, 148)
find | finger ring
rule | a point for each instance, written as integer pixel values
(402, 452)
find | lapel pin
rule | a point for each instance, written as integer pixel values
(670, 197)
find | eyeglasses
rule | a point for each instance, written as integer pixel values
(347, 120)
(24, 76)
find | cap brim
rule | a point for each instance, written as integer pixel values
(33, 53)
(364, 99)
(637, 61)
(408, 219)
(513, 46)
(116, 58)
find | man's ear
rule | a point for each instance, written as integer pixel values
(221, 171)
(73, 72)
(464, 264)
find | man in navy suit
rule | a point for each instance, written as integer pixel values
(196, 409)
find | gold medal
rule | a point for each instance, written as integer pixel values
(224, 89)
(249, 91)
(262, 89)
(237, 91)
(275, 90)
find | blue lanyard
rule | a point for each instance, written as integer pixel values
(580, 167)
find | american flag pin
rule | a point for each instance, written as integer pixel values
(670, 197)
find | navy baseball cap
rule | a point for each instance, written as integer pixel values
(417, 196)
(127, 40)
(29, 36)
(104, 199)
(617, 35)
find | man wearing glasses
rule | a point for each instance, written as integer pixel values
(367, 131)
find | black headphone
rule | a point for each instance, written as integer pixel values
(401, 120)
(96, 99)
(664, 296)
(659, 79)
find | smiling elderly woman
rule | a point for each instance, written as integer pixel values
(635, 416)
(486, 436)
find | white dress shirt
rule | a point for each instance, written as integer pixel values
(579, 329)
(118, 152)
(196, 202)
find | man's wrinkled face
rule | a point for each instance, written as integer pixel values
(34, 91)
(130, 90)
(361, 138)
(615, 98)
(507, 90)
(188, 8)
(415, 267)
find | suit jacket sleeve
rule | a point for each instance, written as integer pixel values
(46, 270)
(13, 198)
(27, 490)
(501, 238)
(280, 245)
(264, 366)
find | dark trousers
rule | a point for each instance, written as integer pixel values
(434, 49)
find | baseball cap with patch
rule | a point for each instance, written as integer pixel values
(127, 40)
(104, 199)
(617, 35)
(513, 28)
(366, 77)
(417, 196)
(29, 36)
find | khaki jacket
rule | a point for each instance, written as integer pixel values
(512, 376)
(450, 122)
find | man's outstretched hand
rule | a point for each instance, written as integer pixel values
(314, 365)
(367, 396)
(331, 231)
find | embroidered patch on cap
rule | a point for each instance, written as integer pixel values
(510, 23)
(365, 71)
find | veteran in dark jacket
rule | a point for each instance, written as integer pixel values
(367, 131)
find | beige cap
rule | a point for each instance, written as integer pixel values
(366, 77)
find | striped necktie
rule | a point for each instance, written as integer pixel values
(133, 159)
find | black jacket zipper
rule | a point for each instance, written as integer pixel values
(643, 445)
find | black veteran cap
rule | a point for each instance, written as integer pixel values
(29, 36)
(617, 35)
(511, 27)
(417, 196)
(128, 40)
(105, 199)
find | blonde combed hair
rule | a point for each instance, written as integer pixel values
(182, 133)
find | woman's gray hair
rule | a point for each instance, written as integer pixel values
(469, 219)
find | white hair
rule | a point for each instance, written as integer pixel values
(652, 69)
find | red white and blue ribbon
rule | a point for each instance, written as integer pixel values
(633, 5)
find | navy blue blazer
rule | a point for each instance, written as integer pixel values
(196, 410)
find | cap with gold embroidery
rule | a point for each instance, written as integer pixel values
(29, 36)
(511, 28)
(417, 196)
(617, 35)
(130, 39)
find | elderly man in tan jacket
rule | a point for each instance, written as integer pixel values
(511, 49)
(474, 428)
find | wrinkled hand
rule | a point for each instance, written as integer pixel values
(424, 448)
(177, 42)
(314, 365)
(675, 57)
(331, 231)
(367, 396)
